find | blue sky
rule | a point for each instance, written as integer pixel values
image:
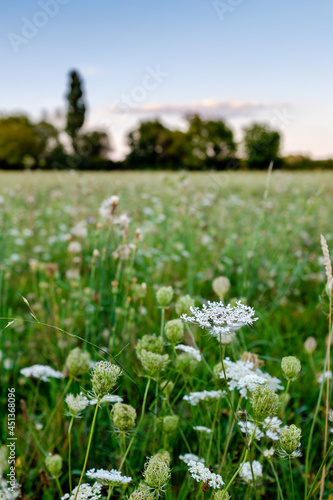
(243, 60)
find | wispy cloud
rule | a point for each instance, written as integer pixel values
(232, 108)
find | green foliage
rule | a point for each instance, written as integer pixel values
(76, 109)
(261, 145)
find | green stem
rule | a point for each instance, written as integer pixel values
(162, 321)
(138, 426)
(314, 487)
(308, 449)
(277, 480)
(285, 392)
(244, 460)
(110, 492)
(88, 448)
(222, 352)
(70, 455)
(291, 478)
(213, 428)
(59, 486)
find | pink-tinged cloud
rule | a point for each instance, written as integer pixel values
(205, 106)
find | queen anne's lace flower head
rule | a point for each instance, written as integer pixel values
(42, 372)
(222, 321)
(202, 474)
(190, 457)
(9, 494)
(246, 473)
(109, 478)
(243, 376)
(195, 397)
(201, 428)
(86, 492)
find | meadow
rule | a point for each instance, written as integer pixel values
(82, 284)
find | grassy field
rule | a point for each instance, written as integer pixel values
(91, 282)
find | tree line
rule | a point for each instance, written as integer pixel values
(205, 144)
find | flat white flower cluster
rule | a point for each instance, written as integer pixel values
(270, 427)
(201, 473)
(42, 372)
(201, 428)
(195, 397)
(241, 376)
(195, 353)
(222, 321)
(86, 492)
(246, 474)
(190, 457)
(6, 494)
(109, 478)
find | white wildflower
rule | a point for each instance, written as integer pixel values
(108, 207)
(248, 427)
(201, 428)
(80, 229)
(86, 492)
(222, 321)
(242, 376)
(272, 426)
(246, 474)
(326, 375)
(195, 353)
(195, 397)
(269, 453)
(190, 457)
(42, 372)
(109, 478)
(9, 494)
(74, 247)
(109, 398)
(201, 473)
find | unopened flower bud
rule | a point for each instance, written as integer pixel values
(291, 367)
(186, 363)
(290, 438)
(96, 253)
(153, 363)
(184, 304)
(164, 296)
(123, 417)
(221, 495)
(157, 472)
(78, 362)
(265, 402)
(167, 389)
(150, 343)
(143, 493)
(174, 331)
(76, 404)
(104, 378)
(170, 423)
(310, 345)
(54, 465)
(221, 286)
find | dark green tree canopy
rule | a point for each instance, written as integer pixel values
(261, 145)
(76, 108)
(209, 141)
